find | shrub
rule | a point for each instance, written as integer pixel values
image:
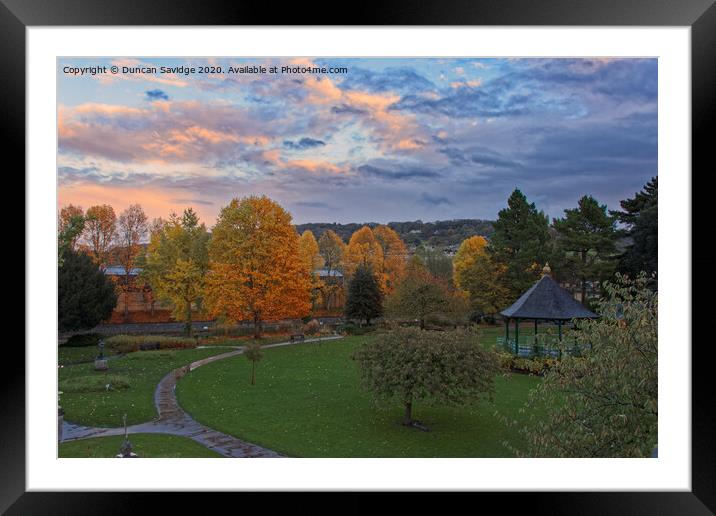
(354, 329)
(94, 383)
(83, 340)
(312, 327)
(131, 343)
(165, 353)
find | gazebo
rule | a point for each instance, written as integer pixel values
(545, 301)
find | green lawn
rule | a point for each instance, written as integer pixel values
(307, 403)
(68, 355)
(87, 401)
(144, 445)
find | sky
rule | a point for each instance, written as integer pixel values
(363, 140)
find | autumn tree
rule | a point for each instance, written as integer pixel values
(312, 259)
(131, 229)
(438, 263)
(587, 238)
(409, 365)
(100, 232)
(604, 403)
(394, 256)
(67, 224)
(177, 261)
(365, 297)
(255, 266)
(85, 295)
(481, 277)
(365, 250)
(521, 242)
(419, 294)
(640, 216)
(332, 249)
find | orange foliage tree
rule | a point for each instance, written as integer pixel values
(255, 269)
(312, 261)
(363, 249)
(394, 256)
(100, 232)
(68, 215)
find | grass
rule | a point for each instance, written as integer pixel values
(144, 445)
(70, 355)
(307, 403)
(142, 370)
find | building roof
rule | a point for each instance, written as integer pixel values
(118, 270)
(547, 300)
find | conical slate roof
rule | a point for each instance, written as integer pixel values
(547, 300)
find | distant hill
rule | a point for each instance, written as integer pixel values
(446, 234)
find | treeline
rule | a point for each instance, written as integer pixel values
(255, 265)
(441, 233)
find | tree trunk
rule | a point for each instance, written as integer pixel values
(253, 372)
(408, 417)
(584, 279)
(187, 324)
(257, 326)
(422, 323)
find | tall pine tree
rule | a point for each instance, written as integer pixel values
(521, 242)
(640, 217)
(587, 242)
(365, 299)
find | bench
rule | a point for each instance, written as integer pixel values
(297, 336)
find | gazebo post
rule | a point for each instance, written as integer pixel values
(559, 330)
(507, 331)
(517, 336)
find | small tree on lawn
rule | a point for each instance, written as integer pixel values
(85, 296)
(419, 294)
(365, 299)
(604, 404)
(410, 365)
(253, 354)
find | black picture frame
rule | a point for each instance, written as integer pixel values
(700, 15)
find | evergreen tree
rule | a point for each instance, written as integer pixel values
(587, 241)
(521, 242)
(365, 299)
(85, 296)
(640, 216)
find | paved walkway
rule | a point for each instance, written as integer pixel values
(174, 421)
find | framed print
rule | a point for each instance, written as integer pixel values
(417, 253)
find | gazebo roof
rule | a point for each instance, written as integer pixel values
(547, 300)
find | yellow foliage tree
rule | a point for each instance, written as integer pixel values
(177, 263)
(333, 251)
(394, 257)
(481, 277)
(364, 249)
(312, 261)
(256, 270)
(469, 251)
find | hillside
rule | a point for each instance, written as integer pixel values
(441, 233)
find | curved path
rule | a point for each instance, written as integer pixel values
(174, 421)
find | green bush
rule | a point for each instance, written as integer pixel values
(165, 354)
(94, 383)
(83, 340)
(131, 343)
(354, 329)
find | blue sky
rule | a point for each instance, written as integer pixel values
(389, 140)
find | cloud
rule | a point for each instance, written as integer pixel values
(156, 95)
(434, 200)
(397, 79)
(314, 204)
(304, 143)
(398, 172)
(193, 201)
